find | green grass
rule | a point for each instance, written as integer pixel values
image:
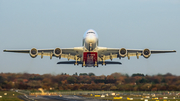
(148, 100)
(138, 99)
(130, 94)
(9, 96)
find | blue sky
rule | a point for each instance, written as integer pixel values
(132, 24)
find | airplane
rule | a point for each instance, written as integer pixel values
(90, 54)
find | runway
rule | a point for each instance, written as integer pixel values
(58, 98)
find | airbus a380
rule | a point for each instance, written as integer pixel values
(90, 54)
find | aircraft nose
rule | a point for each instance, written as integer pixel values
(90, 38)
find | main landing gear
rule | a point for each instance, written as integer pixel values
(76, 58)
(95, 64)
(84, 64)
(103, 63)
(76, 63)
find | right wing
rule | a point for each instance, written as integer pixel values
(109, 53)
(69, 53)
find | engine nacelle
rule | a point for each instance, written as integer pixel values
(123, 52)
(146, 53)
(57, 52)
(33, 52)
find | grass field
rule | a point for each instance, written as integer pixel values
(139, 96)
(9, 96)
(139, 99)
(126, 95)
(145, 100)
(135, 99)
(128, 98)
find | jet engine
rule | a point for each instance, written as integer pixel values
(57, 52)
(123, 52)
(146, 53)
(33, 52)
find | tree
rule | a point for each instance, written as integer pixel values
(116, 75)
(91, 74)
(1, 79)
(35, 84)
(75, 74)
(110, 79)
(82, 74)
(154, 89)
(137, 74)
(113, 88)
(143, 80)
(71, 80)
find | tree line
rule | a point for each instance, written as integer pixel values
(89, 81)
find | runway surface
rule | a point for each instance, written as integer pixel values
(58, 98)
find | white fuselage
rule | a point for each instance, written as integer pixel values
(90, 53)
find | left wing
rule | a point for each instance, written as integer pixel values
(69, 53)
(110, 53)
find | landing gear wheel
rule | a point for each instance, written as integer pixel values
(96, 64)
(104, 63)
(84, 64)
(76, 63)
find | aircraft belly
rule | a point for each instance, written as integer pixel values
(90, 58)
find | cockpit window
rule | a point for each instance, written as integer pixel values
(90, 32)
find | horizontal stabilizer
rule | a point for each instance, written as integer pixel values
(110, 62)
(73, 62)
(69, 62)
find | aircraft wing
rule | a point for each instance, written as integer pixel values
(45, 51)
(69, 53)
(109, 53)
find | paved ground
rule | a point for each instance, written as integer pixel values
(58, 98)
(25, 98)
